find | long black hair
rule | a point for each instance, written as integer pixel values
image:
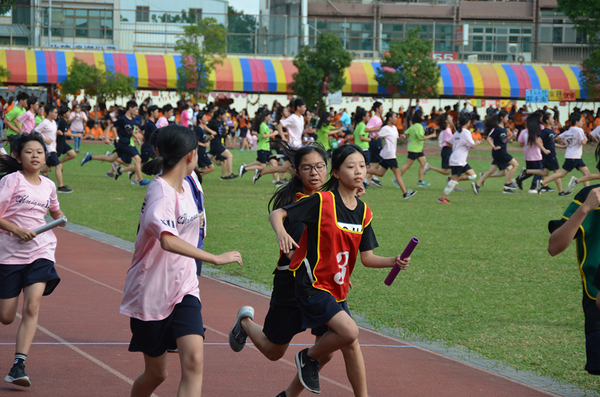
(359, 114)
(287, 194)
(533, 126)
(493, 121)
(388, 116)
(443, 121)
(258, 120)
(338, 157)
(9, 164)
(324, 120)
(173, 142)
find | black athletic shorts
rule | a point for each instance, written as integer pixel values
(319, 309)
(415, 155)
(446, 153)
(570, 164)
(127, 153)
(52, 159)
(389, 163)
(501, 159)
(461, 169)
(13, 278)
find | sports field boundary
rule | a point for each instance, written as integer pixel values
(456, 353)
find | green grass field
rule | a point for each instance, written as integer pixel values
(481, 277)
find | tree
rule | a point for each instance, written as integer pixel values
(99, 83)
(585, 14)
(320, 69)
(5, 74)
(409, 69)
(245, 27)
(6, 6)
(201, 48)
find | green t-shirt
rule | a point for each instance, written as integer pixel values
(323, 136)
(38, 120)
(15, 112)
(588, 249)
(263, 143)
(358, 132)
(415, 133)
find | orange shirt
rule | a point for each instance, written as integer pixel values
(243, 121)
(476, 136)
(519, 119)
(96, 131)
(87, 131)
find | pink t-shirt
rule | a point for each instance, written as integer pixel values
(28, 121)
(185, 118)
(374, 121)
(390, 134)
(48, 130)
(573, 137)
(162, 122)
(157, 279)
(77, 121)
(25, 205)
(461, 143)
(295, 126)
(445, 136)
(531, 153)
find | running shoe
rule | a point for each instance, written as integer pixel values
(237, 335)
(130, 174)
(232, 176)
(511, 186)
(109, 175)
(86, 158)
(134, 182)
(256, 176)
(280, 184)
(376, 183)
(409, 193)
(539, 186)
(457, 189)
(17, 376)
(480, 175)
(144, 183)
(395, 181)
(118, 173)
(106, 154)
(547, 189)
(442, 200)
(308, 371)
(572, 184)
(423, 184)
(564, 194)
(373, 184)
(242, 170)
(64, 189)
(427, 168)
(532, 191)
(225, 178)
(508, 191)
(475, 188)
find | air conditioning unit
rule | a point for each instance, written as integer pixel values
(473, 58)
(513, 49)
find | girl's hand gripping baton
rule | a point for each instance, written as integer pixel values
(396, 269)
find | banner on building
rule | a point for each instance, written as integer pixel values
(536, 96)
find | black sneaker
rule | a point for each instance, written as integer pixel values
(256, 176)
(377, 183)
(225, 178)
(118, 173)
(409, 193)
(233, 176)
(308, 371)
(511, 186)
(64, 189)
(564, 194)
(507, 190)
(242, 170)
(17, 376)
(475, 188)
(547, 189)
(237, 335)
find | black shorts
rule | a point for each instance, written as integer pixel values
(203, 160)
(320, 308)
(550, 163)
(414, 155)
(63, 149)
(283, 322)
(13, 278)
(154, 338)
(52, 159)
(216, 150)
(375, 146)
(501, 159)
(147, 152)
(571, 164)
(461, 169)
(592, 334)
(262, 156)
(367, 154)
(127, 153)
(446, 153)
(534, 165)
(389, 163)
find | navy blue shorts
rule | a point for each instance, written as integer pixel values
(262, 156)
(570, 164)
(127, 153)
(13, 278)
(217, 150)
(283, 322)
(550, 163)
(154, 338)
(63, 149)
(390, 163)
(367, 154)
(203, 160)
(461, 169)
(414, 155)
(52, 159)
(147, 152)
(375, 146)
(319, 308)
(446, 153)
(501, 159)
(533, 165)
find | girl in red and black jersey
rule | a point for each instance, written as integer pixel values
(338, 226)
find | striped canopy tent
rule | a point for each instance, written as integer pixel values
(274, 76)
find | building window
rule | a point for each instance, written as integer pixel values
(195, 15)
(95, 24)
(142, 14)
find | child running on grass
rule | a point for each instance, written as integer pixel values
(204, 164)
(387, 156)
(416, 136)
(532, 146)
(445, 140)
(574, 138)
(497, 138)
(325, 130)
(161, 292)
(462, 142)
(263, 150)
(338, 226)
(26, 259)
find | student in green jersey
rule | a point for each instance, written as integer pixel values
(10, 120)
(580, 222)
(325, 130)
(263, 150)
(416, 136)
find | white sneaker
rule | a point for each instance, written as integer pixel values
(572, 184)
(532, 191)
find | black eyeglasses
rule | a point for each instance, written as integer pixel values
(308, 168)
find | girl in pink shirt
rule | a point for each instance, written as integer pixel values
(532, 151)
(77, 120)
(161, 289)
(27, 119)
(26, 260)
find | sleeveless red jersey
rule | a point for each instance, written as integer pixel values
(337, 248)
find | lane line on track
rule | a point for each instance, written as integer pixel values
(205, 344)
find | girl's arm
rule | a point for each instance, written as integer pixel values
(562, 237)
(57, 215)
(490, 141)
(372, 129)
(365, 138)
(285, 241)
(540, 144)
(22, 233)
(427, 137)
(205, 144)
(371, 260)
(174, 244)
(332, 132)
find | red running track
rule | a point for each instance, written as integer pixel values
(80, 348)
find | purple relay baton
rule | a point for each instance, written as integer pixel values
(396, 269)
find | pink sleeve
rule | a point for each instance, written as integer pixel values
(23, 117)
(6, 192)
(54, 204)
(160, 216)
(522, 136)
(85, 118)
(72, 116)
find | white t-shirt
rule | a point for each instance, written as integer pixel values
(48, 130)
(390, 134)
(596, 133)
(462, 142)
(25, 205)
(158, 280)
(295, 126)
(573, 138)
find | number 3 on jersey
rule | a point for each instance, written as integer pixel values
(342, 260)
